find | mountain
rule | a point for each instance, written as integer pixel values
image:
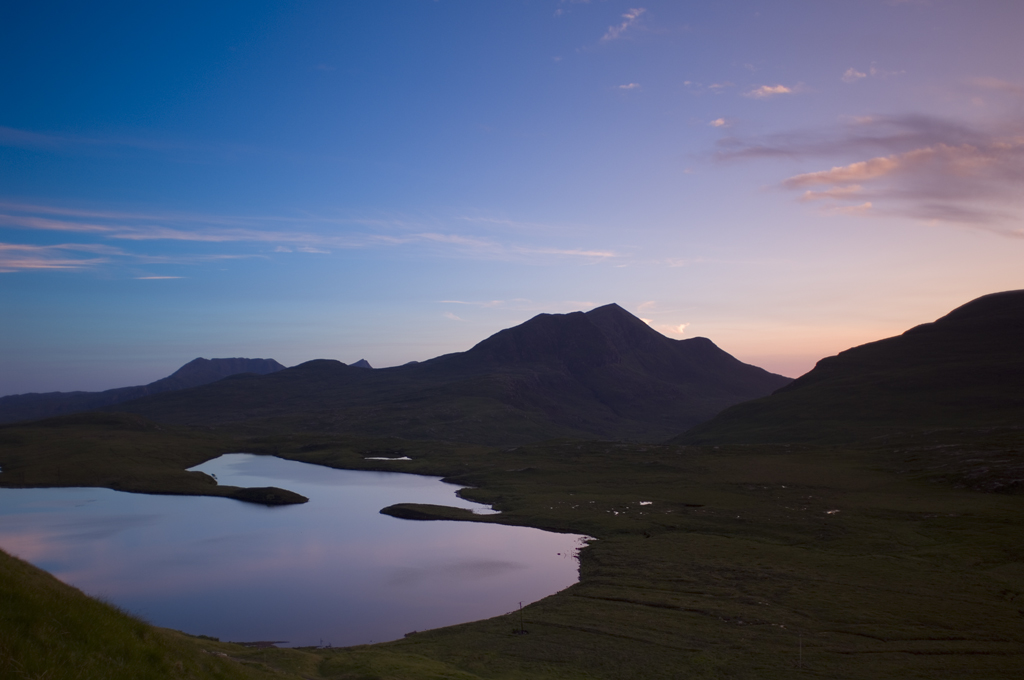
(600, 374)
(964, 370)
(362, 363)
(197, 372)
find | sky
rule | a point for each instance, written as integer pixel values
(395, 180)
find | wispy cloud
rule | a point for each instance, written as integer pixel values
(835, 193)
(860, 171)
(525, 305)
(561, 10)
(15, 257)
(631, 17)
(877, 135)
(486, 303)
(569, 252)
(20, 257)
(669, 328)
(766, 91)
(718, 122)
(449, 315)
(157, 278)
(998, 85)
(852, 75)
(630, 86)
(477, 237)
(929, 169)
(57, 142)
(855, 210)
(26, 139)
(666, 328)
(153, 232)
(698, 89)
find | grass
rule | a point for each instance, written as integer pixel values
(121, 452)
(51, 630)
(711, 562)
(742, 555)
(885, 541)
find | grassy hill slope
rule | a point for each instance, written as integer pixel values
(964, 370)
(51, 630)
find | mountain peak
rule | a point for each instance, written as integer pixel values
(603, 373)
(201, 371)
(610, 308)
(197, 372)
(545, 338)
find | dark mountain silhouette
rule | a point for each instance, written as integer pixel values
(362, 363)
(604, 374)
(964, 370)
(196, 372)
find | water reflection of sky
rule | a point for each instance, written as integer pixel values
(333, 568)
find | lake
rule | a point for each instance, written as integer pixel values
(331, 571)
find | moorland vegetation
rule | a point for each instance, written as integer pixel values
(863, 522)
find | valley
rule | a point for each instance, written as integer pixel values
(732, 551)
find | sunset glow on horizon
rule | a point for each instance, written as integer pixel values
(398, 180)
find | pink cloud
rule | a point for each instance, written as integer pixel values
(630, 17)
(766, 91)
(930, 169)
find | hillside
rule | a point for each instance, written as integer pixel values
(965, 370)
(753, 561)
(604, 373)
(757, 562)
(51, 630)
(33, 406)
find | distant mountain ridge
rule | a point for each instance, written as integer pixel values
(599, 374)
(197, 372)
(965, 369)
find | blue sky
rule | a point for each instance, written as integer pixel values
(398, 180)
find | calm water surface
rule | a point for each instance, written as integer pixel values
(333, 569)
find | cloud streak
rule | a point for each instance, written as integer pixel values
(631, 17)
(15, 257)
(928, 169)
(999, 85)
(852, 75)
(262, 236)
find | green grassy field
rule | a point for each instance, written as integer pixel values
(731, 562)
